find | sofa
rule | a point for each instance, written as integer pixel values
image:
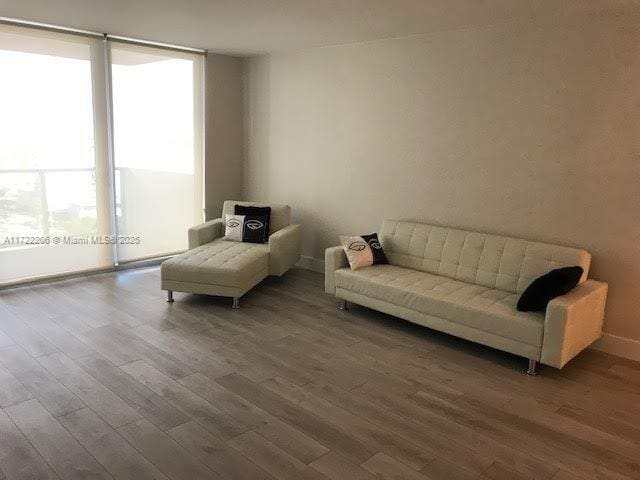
(215, 266)
(467, 284)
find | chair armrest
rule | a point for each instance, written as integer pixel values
(334, 258)
(285, 246)
(573, 322)
(205, 232)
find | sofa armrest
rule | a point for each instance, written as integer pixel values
(334, 258)
(205, 232)
(285, 246)
(573, 322)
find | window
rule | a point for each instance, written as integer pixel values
(158, 172)
(63, 200)
(48, 178)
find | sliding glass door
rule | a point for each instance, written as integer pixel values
(157, 115)
(91, 176)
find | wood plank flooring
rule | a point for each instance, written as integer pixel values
(101, 378)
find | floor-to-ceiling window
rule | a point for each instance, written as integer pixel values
(156, 147)
(76, 194)
(48, 149)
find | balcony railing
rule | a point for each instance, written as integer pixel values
(28, 206)
(66, 202)
(49, 201)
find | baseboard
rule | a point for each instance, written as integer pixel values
(619, 346)
(310, 263)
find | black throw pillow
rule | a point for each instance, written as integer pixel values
(254, 229)
(376, 248)
(547, 287)
(250, 211)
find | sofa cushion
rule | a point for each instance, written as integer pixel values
(220, 262)
(493, 261)
(475, 306)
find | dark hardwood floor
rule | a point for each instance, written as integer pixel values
(101, 378)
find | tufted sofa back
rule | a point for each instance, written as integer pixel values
(280, 214)
(494, 261)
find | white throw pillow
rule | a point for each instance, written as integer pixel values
(358, 251)
(234, 224)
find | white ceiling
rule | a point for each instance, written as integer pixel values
(247, 27)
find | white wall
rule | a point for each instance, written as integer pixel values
(223, 132)
(529, 131)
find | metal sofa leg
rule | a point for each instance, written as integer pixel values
(170, 296)
(533, 367)
(236, 302)
(343, 305)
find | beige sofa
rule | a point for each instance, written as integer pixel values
(215, 266)
(467, 284)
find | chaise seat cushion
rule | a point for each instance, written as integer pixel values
(476, 306)
(221, 262)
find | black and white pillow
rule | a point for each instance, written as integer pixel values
(251, 211)
(234, 225)
(246, 228)
(363, 251)
(255, 228)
